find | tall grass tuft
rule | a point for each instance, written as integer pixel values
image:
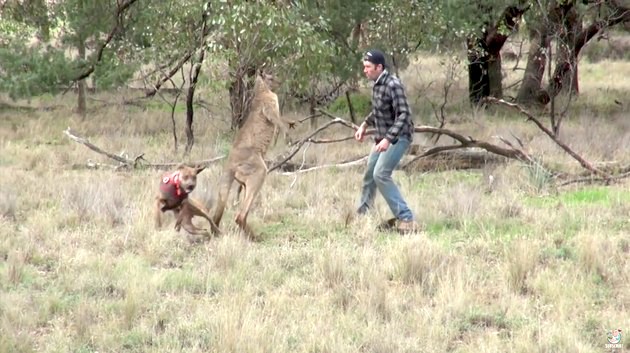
(521, 258)
(421, 262)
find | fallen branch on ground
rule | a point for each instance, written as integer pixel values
(464, 142)
(137, 162)
(592, 180)
(452, 158)
(583, 162)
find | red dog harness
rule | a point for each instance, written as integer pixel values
(171, 186)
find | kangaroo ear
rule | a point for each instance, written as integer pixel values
(199, 168)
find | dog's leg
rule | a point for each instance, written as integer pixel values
(196, 208)
(194, 234)
(178, 217)
(158, 213)
(253, 184)
(224, 191)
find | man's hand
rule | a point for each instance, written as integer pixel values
(360, 133)
(383, 145)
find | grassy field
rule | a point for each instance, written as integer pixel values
(516, 265)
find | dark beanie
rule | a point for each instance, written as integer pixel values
(375, 56)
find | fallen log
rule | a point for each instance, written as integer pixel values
(126, 163)
(456, 159)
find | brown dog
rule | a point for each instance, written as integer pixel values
(175, 188)
(246, 162)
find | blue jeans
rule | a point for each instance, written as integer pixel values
(378, 175)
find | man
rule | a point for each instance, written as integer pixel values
(391, 117)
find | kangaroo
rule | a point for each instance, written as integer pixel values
(246, 161)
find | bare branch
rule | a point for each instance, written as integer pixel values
(339, 120)
(167, 76)
(301, 143)
(321, 141)
(312, 116)
(583, 162)
(122, 7)
(356, 162)
(592, 180)
(136, 162)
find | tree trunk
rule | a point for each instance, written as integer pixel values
(478, 79)
(312, 104)
(495, 76)
(530, 90)
(566, 72)
(81, 85)
(190, 137)
(484, 56)
(82, 94)
(565, 77)
(240, 95)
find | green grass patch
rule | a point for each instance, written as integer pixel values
(491, 228)
(430, 180)
(588, 196)
(186, 281)
(162, 106)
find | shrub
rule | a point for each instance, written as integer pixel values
(361, 104)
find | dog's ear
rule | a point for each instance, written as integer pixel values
(199, 169)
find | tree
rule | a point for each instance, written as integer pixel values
(562, 22)
(44, 67)
(251, 35)
(484, 52)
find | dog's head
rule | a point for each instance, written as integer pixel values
(188, 177)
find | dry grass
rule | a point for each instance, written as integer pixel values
(513, 265)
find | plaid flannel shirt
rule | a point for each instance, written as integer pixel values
(390, 113)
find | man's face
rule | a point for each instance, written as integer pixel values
(371, 70)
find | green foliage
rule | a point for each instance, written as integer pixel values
(47, 67)
(361, 103)
(401, 27)
(161, 31)
(11, 29)
(255, 34)
(112, 72)
(32, 14)
(336, 22)
(29, 72)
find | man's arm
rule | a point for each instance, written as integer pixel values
(369, 119)
(401, 111)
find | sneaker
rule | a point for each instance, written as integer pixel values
(407, 226)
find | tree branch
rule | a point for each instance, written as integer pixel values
(583, 162)
(101, 48)
(338, 165)
(167, 76)
(136, 162)
(465, 142)
(301, 143)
